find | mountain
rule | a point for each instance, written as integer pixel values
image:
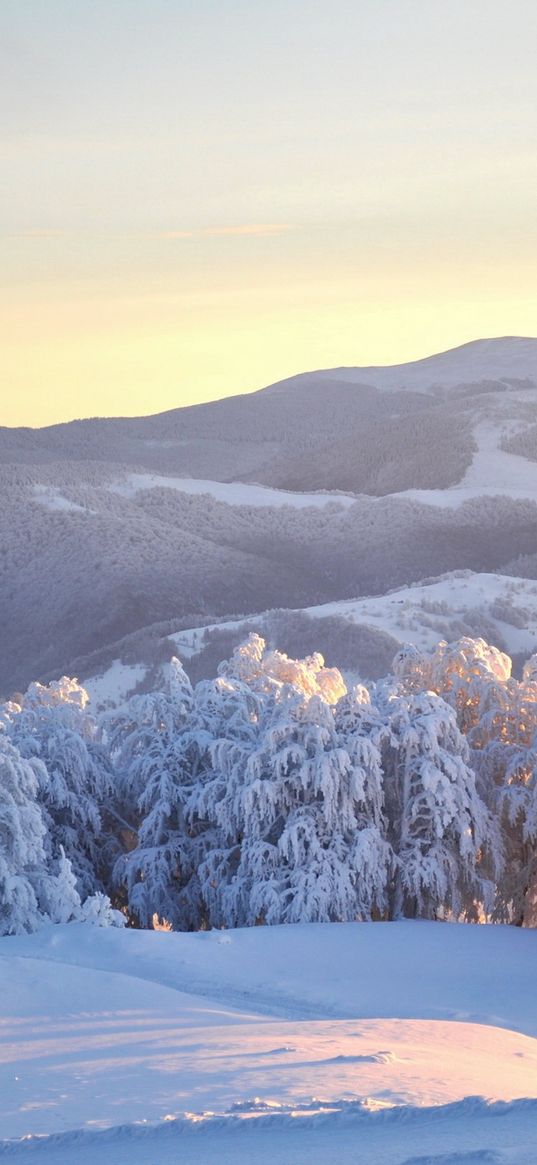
(109, 526)
(346, 420)
(506, 358)
(359, 636)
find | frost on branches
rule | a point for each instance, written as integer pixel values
(74, 780)
(439, 826)
(297, 837)
(22, 855)
(498, 716)
(33, 890)
(298, 842)
(54, 777)
(272, 794)
(158, 749)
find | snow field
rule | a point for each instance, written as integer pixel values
(111, 688)
(234, 493)
(165, 1052)
(320, 1043)
(493, 472)
(406, 613)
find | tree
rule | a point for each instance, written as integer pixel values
(361, 728)
(469, 674)
(508, 758)
(440, 828)
(22, 832)
(75, 780)
(266, 671)
(158, 747)
(33, 889)
(299, 841)
(498, 715)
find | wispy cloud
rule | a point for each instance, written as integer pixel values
(239, 229)
(260, 228)
(44, 234)
(263, 228)
(172, 235)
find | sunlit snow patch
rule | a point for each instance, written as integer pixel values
(115, 685)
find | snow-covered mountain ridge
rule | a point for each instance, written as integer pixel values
(326, 487)
(358, 635)
(500, 358)
(495, 365)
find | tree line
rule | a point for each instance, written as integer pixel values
(273, 793)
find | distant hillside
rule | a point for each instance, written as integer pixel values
(368, 430)
(109, 526)
(359, 636)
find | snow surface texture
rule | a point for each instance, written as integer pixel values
(321, 1044)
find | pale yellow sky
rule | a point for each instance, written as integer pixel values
(202, 198)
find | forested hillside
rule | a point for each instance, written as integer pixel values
(430, 467)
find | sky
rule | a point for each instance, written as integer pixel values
(200, 197)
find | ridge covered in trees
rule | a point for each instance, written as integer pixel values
(273, 794)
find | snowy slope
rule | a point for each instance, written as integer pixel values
(426, 612)
(347, 1043)
(471, 1132)
(493, 472)
(462, 602)
(114, 685)
(233, 493)
(499, 608)
(53, 500)
(163, 1052)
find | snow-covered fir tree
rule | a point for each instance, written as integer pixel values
(22, 832)
(300, 839)
(33, 889)
(59, 896)
(498, 716)
(441, 830)
(470, 674)
(74, 782)
(158, 747)
(273, 794)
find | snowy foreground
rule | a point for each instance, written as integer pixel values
(315, 1043)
